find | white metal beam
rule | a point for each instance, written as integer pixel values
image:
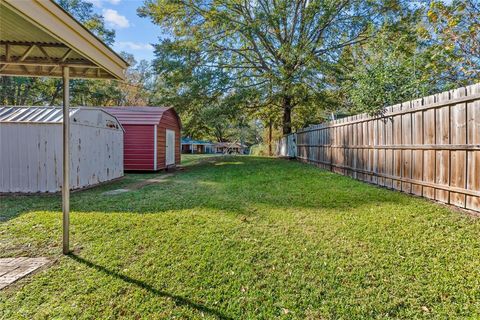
(66, 160)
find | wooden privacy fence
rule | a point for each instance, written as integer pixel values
(429, 147)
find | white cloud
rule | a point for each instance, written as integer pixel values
(99, 3)
(96, 3)
(114, 19)
(135, 46)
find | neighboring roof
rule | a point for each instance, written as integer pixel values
(195, 142)
(139, 115)
(37, 37)
(229, 145)
(43, 114)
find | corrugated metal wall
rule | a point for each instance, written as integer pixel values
(30, 157)
(31, 154)
(139, 147)
(96, 155)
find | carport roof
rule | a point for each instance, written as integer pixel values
(38, 37)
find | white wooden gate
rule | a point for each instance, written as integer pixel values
(170, 148)
(287, 146)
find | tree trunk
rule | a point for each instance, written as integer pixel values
(287, 115)
(270, 138)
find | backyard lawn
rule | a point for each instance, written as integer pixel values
(243, 238)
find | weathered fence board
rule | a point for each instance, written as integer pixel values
(429, 147)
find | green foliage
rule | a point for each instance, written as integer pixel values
(233, 68)
(454, 33)
(82, 11)
(261, 53)
(243, 238)
(316, 58)
(426, 50)
(219, 123)
(387, 69)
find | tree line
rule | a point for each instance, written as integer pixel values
(237, 69)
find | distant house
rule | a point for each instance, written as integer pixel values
(196, 146)
(230, 147)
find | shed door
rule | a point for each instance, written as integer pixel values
(170, 148)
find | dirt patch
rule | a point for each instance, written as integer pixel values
(147, 182)
(115, 192)
(138, 185)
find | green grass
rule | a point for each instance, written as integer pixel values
(190, 159)
(244, 238)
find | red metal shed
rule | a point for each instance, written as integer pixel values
(152, 139)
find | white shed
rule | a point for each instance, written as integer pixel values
(31, 148)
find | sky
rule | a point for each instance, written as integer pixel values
(133, 34)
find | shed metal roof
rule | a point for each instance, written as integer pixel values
(33, 114)
(40, 114)
(138, 115)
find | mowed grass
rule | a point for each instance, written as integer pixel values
(243, 238)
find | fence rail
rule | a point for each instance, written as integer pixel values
(428, 147)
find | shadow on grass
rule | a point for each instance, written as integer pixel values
(14, 205)
(179, 300)
(232, 183)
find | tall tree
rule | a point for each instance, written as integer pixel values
(282, 49)
(432, 46)
(454, 32)
(389, 68)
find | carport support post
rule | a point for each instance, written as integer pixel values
(66, 160)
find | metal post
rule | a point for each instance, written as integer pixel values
(66, 160)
